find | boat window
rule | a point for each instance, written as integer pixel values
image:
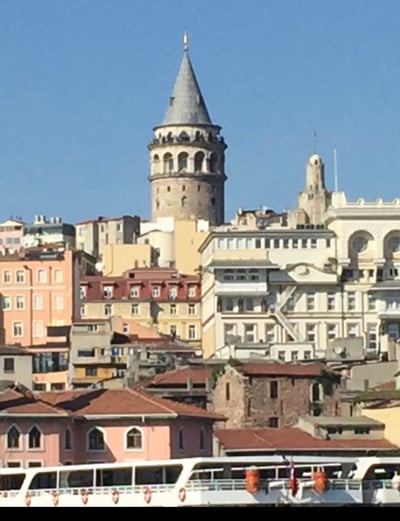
(76, 478)
(44, 480)
(107, 477)
(11, 481)
(381, 471)
(157, 475)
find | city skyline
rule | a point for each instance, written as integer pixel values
(83, 86)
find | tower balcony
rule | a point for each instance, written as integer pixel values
(198, 176)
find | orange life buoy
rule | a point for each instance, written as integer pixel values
(115, 496)
(147, 494)
(56, 497)
(252, 479)
(182, 494)
(84, 496)
(320, 481)
(28, 499)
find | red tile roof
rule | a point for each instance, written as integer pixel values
(281, 369)
(198, 376)
(121, 402)
(14, 402)
(291, 438)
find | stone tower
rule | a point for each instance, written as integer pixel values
(314, 200)
(187, 155)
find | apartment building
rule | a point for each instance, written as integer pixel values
(48, 230)
(93, 234)
(11, 232)
(297, 281)
(160, 297)
(39, 288)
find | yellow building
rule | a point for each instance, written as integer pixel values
(118, 258)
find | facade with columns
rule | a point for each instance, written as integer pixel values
(288, 285)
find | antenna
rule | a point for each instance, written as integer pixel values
(335, 172)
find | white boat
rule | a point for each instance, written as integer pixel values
(210, 481)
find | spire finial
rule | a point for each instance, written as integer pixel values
(185, 41)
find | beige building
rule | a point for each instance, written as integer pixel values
(93, 235)
(304, 278)
(175, 242)
(118, 258)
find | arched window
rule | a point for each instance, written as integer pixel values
(198, 161)
(13, 438)
(202, 438)
(68, 439)
(181, 439)
(183, 201)
(168, 188)
(183, 136)
(156, 158)
(212, 201)
(182, 161)
(213, 162)
(95, 439)
(157, 204)
(34, 438)
(134, 439)
(168, 163)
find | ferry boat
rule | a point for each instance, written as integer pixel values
(209, 481)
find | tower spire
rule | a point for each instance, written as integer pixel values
(185, 41)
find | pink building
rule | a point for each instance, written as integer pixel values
(11, 232)
(99, 426)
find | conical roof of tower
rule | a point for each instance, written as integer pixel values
(186, 104)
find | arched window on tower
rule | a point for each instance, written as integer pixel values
(157, 204)
(183, 136)
(156, 163)
(213, 162)
(168, 163)
(198, 161)
(182, 161)
(183, 201)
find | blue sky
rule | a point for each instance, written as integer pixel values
(83, 82)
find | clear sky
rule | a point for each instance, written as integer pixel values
(83, 83)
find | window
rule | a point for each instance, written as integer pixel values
(192, 309)
(41, 276)
(331, 331)
(352, 330)
(108, 310)
(331, 301)
(182, 161)
(34, 438)
(20, 276)
(58, 302)
(7, 276)
(372, 337)
(172, 330)
(57, 276)
(155, 291)
(82, 291)
(249, 333)
(134, 439)
(371, 302)
(351, 301)
(181, 439)
(361, 430)
(34, 464)
(95, 439)
(108, 291)
(295, 356)
(135, 309)
(68, 439)
(125, 328)
(307, 355)
(192, 332)
(227, 391)
(270, 333)
(172, 293)
(249, 304)
(18, 329)
(6, 302)
(310, 301)
(8, 365)
(83, 310)
(90, 371)
(172, 309)
(13, 438)
(281, 356)
(19, 302)
(273, 422)
(273, 389)
(228, 275)
(228, 304)
(134, 291)
(310, 332)
(37, 301)
(37, 328)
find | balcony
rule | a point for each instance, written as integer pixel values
(241, 288)
(390, 311)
